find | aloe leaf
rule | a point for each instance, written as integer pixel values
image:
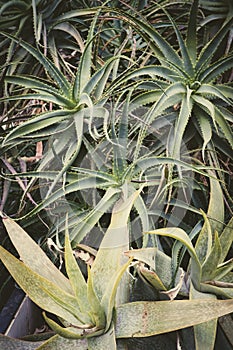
(154, 316)
(226, 239)
(41, 291)
(182, 121)
(77, 280)
(53, 71)
(58, 342)
(178, 234)
(223, 270)
(191, 37)
(71, 30)
(75, 13)
(222, 292)
(86, 223)
(181, 236)
(206, 129)
(7, 343)
(96, 310)
(72, 332)
(37, 123)
(79, 185)
(207, 106)
(72, 154)
(167, 73)
(216, 69)
(28, 249)
(210, 265)
(84, 68)
(114, 243)
(65, 332)
(150, 277)
(157, 261)
(142, 164)
(142, 211)
(40, 86)
(104, 341)
(187, 63)
(225, 127)
(213, 219)
(204, 333)
(108, 299)
(35, 96)
(209, 50)
(161, 48)
(97, 82)
(217, 92)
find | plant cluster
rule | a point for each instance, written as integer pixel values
(116, 144)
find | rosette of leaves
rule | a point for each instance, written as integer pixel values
(209, 274)
(74, 107)
(94, 182)
(94, 313)
(188, 76)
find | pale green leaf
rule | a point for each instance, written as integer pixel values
(226, 239)
(108, 300)
(33, 256)
(96, 310)
(105, 341)
(157, 261)
(181, 236)
(210, 265)
(206, 129)
(153, 316)
(204, 333)
(58, 342)
(212, 221)
(115, 242)
(76, 279)
(7, 343)
(40, 290)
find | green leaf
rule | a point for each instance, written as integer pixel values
(213, 219)
(7, 343)
(76, 279)
(157, 261)
(205, 127)
(209, 50)
(178, 234)
(58, 342)
(204, 333)
(35, 124)
(41, 86)
(115, 242)
(53, 71)
(166, 316)
(41, 291)
(191, 38)
(65, 332)
(108, 300)
(211, 263)
(226, 239)
(105, 341)
(33, 256)
(181, 236)
(86, 223)
(224, 125)
(96, 311)
(182, 121)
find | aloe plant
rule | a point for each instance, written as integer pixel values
(91, 311)
(188, 80)
(208, 275)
